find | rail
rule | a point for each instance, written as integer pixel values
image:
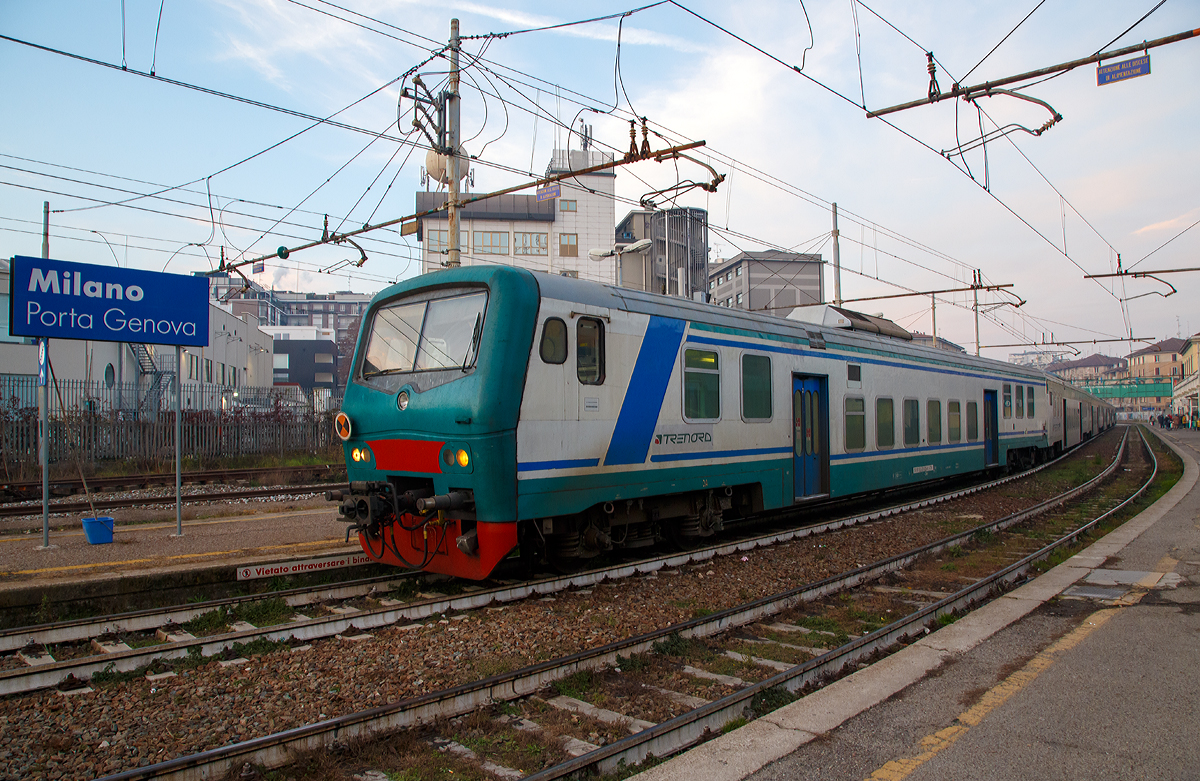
(275, 750)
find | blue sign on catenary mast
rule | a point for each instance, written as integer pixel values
(65, 300)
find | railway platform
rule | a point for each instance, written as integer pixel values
(1085, 672)
(143, 554)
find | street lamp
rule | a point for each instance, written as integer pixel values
(637, 247)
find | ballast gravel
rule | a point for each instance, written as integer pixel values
(126, 724)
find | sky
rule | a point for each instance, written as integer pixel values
(218, 152)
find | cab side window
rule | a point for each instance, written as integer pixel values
(554, 341)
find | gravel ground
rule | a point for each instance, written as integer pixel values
(132, 723)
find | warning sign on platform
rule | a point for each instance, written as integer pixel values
(301, 567)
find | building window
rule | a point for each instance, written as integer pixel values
(728, 276)
(554, 341)
(712, 285)
(856, 424)
(701, 385)
(326, 377)
(323, 358)
(739, 299)
(208, 369)
(739, 271)
(491, 243)
(953, 421)
(912, 423)
(589, 351)
(1007, 402)
(531, 243)
(933, 420)
(972, 421)
(885, 424)
(756, 387)
(568, 206)
(438, 240)
(568, 245)
(729, 302)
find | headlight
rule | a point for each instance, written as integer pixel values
(462, 458)
(360, 454)
(402, 400)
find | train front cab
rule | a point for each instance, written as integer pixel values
(430, 416)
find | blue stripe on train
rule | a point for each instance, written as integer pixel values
(574, 463)
(644, 397)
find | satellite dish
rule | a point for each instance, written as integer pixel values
(438, 166)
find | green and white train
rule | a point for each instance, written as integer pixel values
(492, 407)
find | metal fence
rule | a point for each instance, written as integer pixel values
(96, 422)
(149, 398)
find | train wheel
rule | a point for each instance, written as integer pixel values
(566, 565)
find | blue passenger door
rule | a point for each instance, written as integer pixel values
(991, 429)
(810, 435)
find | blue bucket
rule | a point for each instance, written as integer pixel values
(98, 530)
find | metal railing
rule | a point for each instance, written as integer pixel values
(99, 422)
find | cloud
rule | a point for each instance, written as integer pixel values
(600, 31)
(1181, 221)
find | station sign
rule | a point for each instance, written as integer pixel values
(549, 192)
(1119, 71)
(65, 300)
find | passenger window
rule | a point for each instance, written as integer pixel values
(1020, 402)
(701, 385)
(885, 424)
(953, 421)
(933, 419)
(912, 423)
(554, 341)
(589, 351)
(756, 387)
(856, 424)
(1007, 402)
(1029, 403)
(972, 421)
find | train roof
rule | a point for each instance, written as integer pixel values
(625, 299)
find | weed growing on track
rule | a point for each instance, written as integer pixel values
(576, 685)
(771, 699)
(214, 622)
(633, 663)
(264, 612)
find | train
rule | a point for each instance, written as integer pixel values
(494, 411)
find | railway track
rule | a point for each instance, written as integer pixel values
(28, 490)
(75, 508)
(506, 686)
(112, 654)
(696, 723)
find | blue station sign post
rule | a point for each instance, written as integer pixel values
(59, 299)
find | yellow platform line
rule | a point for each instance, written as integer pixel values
(179, 557)
(934, 744)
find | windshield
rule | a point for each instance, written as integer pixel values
(426, 335)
